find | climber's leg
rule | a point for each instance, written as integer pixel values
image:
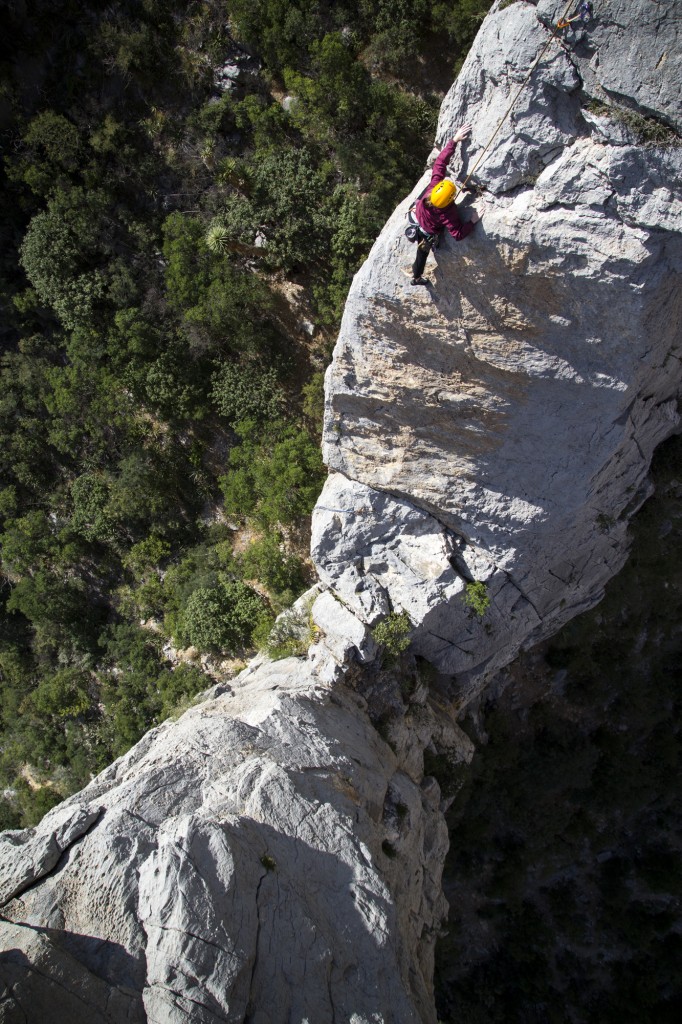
(423, 250)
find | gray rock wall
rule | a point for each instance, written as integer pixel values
(267, 858)
(513, 407)
(270, 857)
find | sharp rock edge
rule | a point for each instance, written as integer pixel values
(269, 857)
(499, 426)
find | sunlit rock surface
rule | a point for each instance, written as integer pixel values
(275, 855)
(517, 402)
(268, 857)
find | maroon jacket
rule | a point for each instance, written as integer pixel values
(430, 218)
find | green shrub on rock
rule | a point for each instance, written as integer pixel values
(393, 633)
(476, 597)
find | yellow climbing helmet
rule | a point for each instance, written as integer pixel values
(443, 193)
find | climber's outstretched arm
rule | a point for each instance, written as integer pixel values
(440, 167)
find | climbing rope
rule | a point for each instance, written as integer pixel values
(555, 35)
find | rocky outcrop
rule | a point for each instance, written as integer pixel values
(268, 857)
(499, 426)
(275, 854)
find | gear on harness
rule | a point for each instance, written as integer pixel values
(414, 232)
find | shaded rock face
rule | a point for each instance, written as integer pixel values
(513, 407)
(268, 857)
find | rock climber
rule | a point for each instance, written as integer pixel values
(436, 209)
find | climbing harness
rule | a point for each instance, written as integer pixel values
(554, 35)
(414, 232)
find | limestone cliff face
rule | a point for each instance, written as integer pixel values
(507, 415)
(269, 857)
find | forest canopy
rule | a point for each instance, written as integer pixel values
(187, 191)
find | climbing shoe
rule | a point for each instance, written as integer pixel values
(420, 280)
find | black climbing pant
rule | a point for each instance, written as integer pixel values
(423, 250)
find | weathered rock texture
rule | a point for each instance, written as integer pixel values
(267, 858)
(511, 410)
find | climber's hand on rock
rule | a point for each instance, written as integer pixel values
(477, 214)
(462, 133)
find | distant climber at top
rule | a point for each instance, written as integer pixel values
(436, 208)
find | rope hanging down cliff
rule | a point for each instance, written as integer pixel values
(561, 24)
(436, 208)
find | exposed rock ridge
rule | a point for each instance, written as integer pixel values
(270, 857)
(266, 858)
(512, 409)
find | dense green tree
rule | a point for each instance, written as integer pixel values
(274, 479)
(50, 156)
(334, 98)
(62, 612)
(91, 514)
(247, 392)
(66, 694)
(69, 256)
(266, 560)
(28, 543)
(25, 456)
(220, 617)
(221, 307)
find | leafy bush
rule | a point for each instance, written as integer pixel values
(220, 617)
(646, 130)
(221, 307)
(393, 633)
(245, 391)
(68, 255)
(313, 400)
(146, 555)
(176, 688)
(265, 560)
(172, 385)
(63, 614)
(49, 156)
(273, 478)
(289, 636)
(476, 597)
(334, 97)
(290, 191)
(66, 694)
(91, 516)
(138, 688)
